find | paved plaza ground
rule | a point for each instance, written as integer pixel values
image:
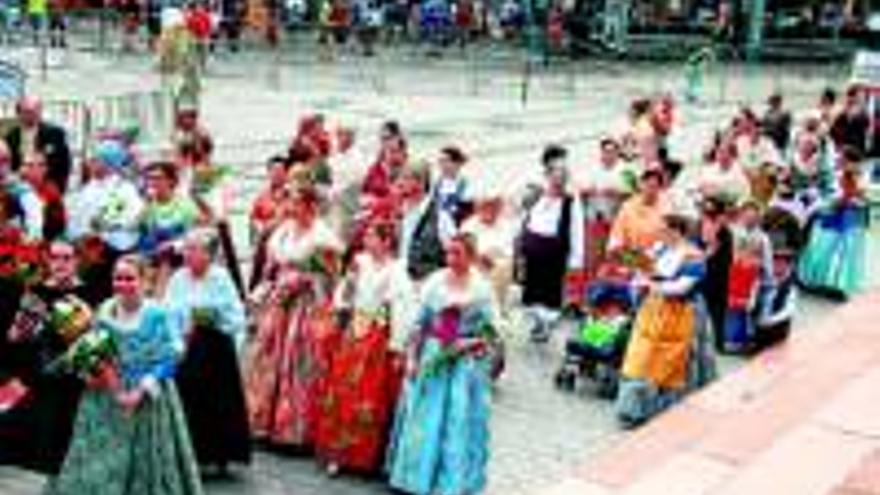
(252, 104)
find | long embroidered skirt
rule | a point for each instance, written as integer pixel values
(218, 422)
(440, 439)
(285, 369)
(835, 256)
(358, 402)
(658, 370)
(112, 453)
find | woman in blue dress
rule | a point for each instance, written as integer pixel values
(440, 441)
(130, 436)
(834, 260)
(670, 351)
(203, 297)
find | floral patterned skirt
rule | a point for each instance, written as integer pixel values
(358, 400)
(113, 453)
(440, 439)
(285, 368)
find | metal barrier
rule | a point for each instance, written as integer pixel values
(12, 80)
(151, 112)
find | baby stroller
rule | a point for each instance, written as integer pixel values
(597, 347)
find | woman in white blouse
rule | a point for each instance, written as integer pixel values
(551, 244)
(295, 337)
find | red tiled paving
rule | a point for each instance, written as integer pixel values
(802, 419)
(865, 479)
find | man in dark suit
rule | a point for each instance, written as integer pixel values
(31, 134)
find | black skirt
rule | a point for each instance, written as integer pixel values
(36, 433)
(209, 383)
(545, 260)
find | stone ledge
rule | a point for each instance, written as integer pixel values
(800, 419)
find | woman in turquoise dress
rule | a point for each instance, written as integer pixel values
(440, 440)
(833, 262)
(130, 436)
(670, 351)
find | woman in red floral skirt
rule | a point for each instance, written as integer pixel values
(362, 387)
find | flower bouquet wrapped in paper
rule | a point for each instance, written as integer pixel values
(447, 326)
(203, 317)
(631, 260)
(70, 318)
(91, 353)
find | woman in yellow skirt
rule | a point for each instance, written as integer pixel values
(670, 351)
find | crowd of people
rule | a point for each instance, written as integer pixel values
(136, 357)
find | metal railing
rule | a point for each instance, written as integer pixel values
(12, 80)
(151, 112)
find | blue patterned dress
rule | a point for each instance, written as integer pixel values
(440, 441)
(835, 256)
(147, 452)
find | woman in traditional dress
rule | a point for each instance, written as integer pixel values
(266, 214)
(834, 259)
(493, 236)
(204, 298)
(358, 402)
(750, 276)
(130, 435)
(639, 222)
(425, 228)
(551, 245)
(290, 355)
(43, 421)
(602, 193)
(670, 351)
(35, 172)
(391, 160)
(109, 207)
(440, 441)
(167, 215)
(717, 242)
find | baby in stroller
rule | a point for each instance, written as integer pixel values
(597, 346)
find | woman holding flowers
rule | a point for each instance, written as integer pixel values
(440, 441)
(107, 209)
(130, 434)
(54, 311)
(669, 352)
(203, 297)
(375, 303)
(290, 355)
(834, 259)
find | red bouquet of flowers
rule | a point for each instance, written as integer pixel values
(19, 258)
